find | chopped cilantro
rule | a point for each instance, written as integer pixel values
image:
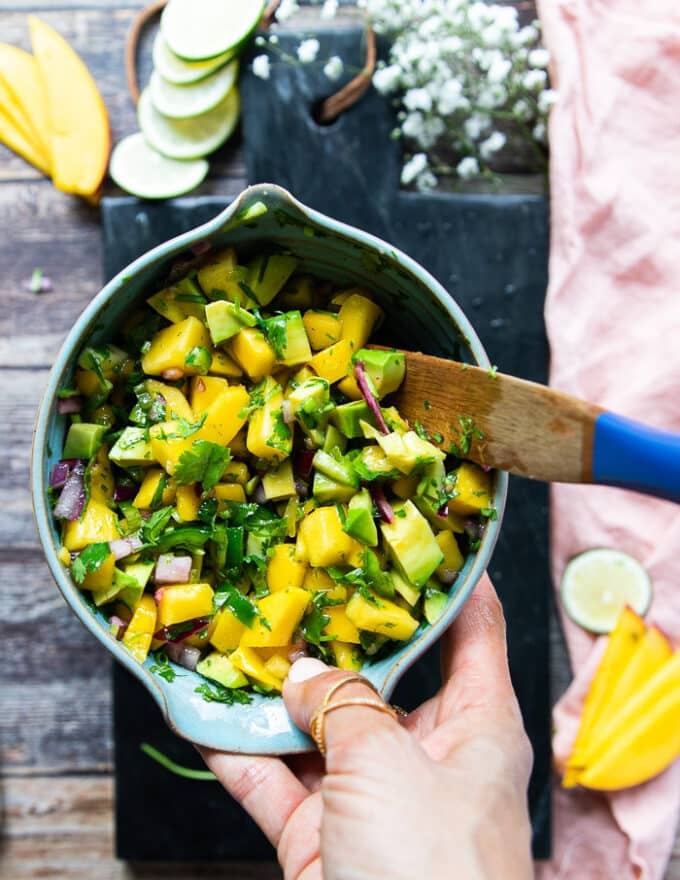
(492, 371)
(468, 432)
(427, 404)
(203, 463)
(240, 606)
(90, 560)
(162, 667)
(216, 693)
(153, 527)
(489, 513)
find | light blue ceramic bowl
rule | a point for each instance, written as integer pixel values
(420, 315)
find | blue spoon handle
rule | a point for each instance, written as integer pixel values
(635, 456)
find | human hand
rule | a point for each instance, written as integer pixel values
(440, 795)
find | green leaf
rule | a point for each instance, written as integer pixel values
(153, 527)
(177, 769)
(162, 667)
(203, 463)
(218, 694)
(89, 560)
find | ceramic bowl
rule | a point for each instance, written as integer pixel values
(419, 315)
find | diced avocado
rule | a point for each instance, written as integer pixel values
(347, 418)
(333, 439)
(132, 448)
(219, 668)
(359, 522)
(429, 491)
(107, 594)
(287, 336)
(225, 319)
(409, 451)
(434, 605)
(338, 469)
(279, 483)
(411, 543)
(311, 404)
(324, 489)
(371, 463)
(404, 588)
(267, 274)
(385, 369)
(378, 579)
(135, 578)
(179, 301)
(83, 440)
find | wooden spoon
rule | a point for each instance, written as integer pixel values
(533, 431)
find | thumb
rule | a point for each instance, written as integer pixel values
(307, 686)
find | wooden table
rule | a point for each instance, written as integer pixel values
(56, 788)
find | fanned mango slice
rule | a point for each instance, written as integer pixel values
(16, 140)
(623, 641)
(78, 123)
(21, 76)
(643, 738)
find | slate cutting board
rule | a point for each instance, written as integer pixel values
(490, 253)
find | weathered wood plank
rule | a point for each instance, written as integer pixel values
(64, 829)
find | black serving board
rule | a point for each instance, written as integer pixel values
(490, 252)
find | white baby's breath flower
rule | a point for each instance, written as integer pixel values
(426, 181)
(522, 109)
(308, 50)
(524, 36)
(260, 40)
(539, 58)
(286, 9)
(534, 80)
(449, 97)
(261, 66)
(385, 79)
(334, 67)
(493, 95)
(467, 167)
(540, 132)
(329, 8)
(494, 143)
(415, 166)
(499, 70)
(274, 39)
(412, 126)
(417, 99)
(475, 125)
(546, 100)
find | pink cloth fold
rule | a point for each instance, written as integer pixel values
(613, 319)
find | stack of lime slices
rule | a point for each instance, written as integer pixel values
(191, 104)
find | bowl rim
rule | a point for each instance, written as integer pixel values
(222, 222)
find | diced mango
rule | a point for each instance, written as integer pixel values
(358, 316)
(340, 626)
(225, 492)
(223, 365)
(180, 602)
(176, 404)
(279, 483)
(101, 478)
(151, 490)
(283, 569)
(140, 630)
(98, 523)
(323, 328)
(346, 656)
(247, 660)
(278, 666)
(268, 435)
(227, 632)
(188, 501)
(283, 612)
(169, 347)
(237, 444)
(205, 390)
(88, 382)
(473, 486)
(253, 353)
(236, 472)
(381, 616)
(405, 487)
(453, 558)
(325, 541)
(349, 387)
(102, 578)
(334, 362)
(317, 579)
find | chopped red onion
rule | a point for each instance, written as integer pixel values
(384, 507)
(446, 576)
(172, 569)
(287, 413)
(157, 596)
(362, 381)
(302, 488)
(486, 467)
(297, 651)
(258, 495)
(118, 626)
(122, 547)
(201, 247)
(167, 635)
(60, 473)
(72, 499)
(68, 405)
(443, 511)
(124, 493)
(474, 529)
(183, 655)
(303, 463)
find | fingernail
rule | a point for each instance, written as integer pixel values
(304, 668)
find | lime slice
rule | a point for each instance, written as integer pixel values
(598, 583)
(197, 30)
(174, 70)
(182, 102)
(188, 138)
(140, 170)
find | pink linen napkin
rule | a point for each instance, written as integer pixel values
(613, 318)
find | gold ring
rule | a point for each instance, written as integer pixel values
(316, 725)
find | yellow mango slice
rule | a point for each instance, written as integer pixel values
(16, 139)
(78, 123)
(176, 404)
(140, 630)
(382, 616)
(102, 484)
(346, 656)
(622, 643)
(473, 486)
(643, 738)
(334, 362)
(97, 524)
(225, 492)
(283, 569)
(268, 435)
(170, 347)
(358, 316)
(227, 631)
(151, 490)
(247, 660)
(340, 626)
(253, 353)
(278, 666)
(322, 328)
(283, 612)
(453, 558)
(180, 602)
(223, 365)
(321, 535)
(205, 390)
(21, 76)
(102, 578)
